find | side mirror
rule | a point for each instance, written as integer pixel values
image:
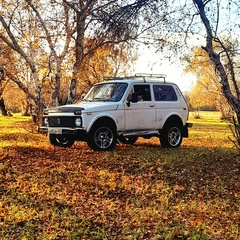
(134, 99)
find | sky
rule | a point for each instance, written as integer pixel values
(151, 62)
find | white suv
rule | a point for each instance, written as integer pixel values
(121, 109)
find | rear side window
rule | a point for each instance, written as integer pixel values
(164, 93)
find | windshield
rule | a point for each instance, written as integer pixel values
(111, 92)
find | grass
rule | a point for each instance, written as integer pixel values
(132, 192)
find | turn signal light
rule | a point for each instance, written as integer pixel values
(77, 112)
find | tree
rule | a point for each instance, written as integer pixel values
(225, 71)
(106, 22)
(48, 35)
(107, 60)
(211, 21)
(17, 30)
(207, 91)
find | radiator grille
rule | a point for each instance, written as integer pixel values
(61, 121)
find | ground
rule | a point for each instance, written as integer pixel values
(133, 192)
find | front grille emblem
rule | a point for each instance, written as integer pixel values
(58, 121)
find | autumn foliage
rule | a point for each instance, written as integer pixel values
(134, 192)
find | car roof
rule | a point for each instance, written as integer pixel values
(139, 78)
(139, 81)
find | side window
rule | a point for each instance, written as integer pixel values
(164, 93)
(143, 92)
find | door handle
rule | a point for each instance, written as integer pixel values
(151, 105)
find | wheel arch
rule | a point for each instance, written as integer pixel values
(173, 119)
(102, 120)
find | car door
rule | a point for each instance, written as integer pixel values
(166, 103)
(140, 115)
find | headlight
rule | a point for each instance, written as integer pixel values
(45, 121)
(78, 122)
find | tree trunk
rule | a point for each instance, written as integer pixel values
(25, 108)
(3, 107)
(79, 55)
(54, 101)
(72, 91)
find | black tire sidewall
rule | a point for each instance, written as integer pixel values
(90, 138)
(58, 143)
(164, 136)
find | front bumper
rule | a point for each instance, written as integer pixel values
(56, 130)
(77, 133)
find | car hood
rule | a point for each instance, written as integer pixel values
(85, 106)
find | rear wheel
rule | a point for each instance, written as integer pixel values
(171, 136)
(64, 140)
(102, 137)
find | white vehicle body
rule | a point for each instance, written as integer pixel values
(121, 109)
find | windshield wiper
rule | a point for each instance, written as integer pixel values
(100, 99)
(87, 100)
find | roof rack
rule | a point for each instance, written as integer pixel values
(150, 75)
(144, 76)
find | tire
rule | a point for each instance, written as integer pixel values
(102, 137)
(61, 140)
(171, 136)
(128, 140)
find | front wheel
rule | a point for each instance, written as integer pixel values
(102, 138)
(61, 140)
(171, 136)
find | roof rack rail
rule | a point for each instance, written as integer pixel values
(119, 78)
(151, 75)
(144, 76)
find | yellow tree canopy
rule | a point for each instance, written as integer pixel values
(207, 91)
